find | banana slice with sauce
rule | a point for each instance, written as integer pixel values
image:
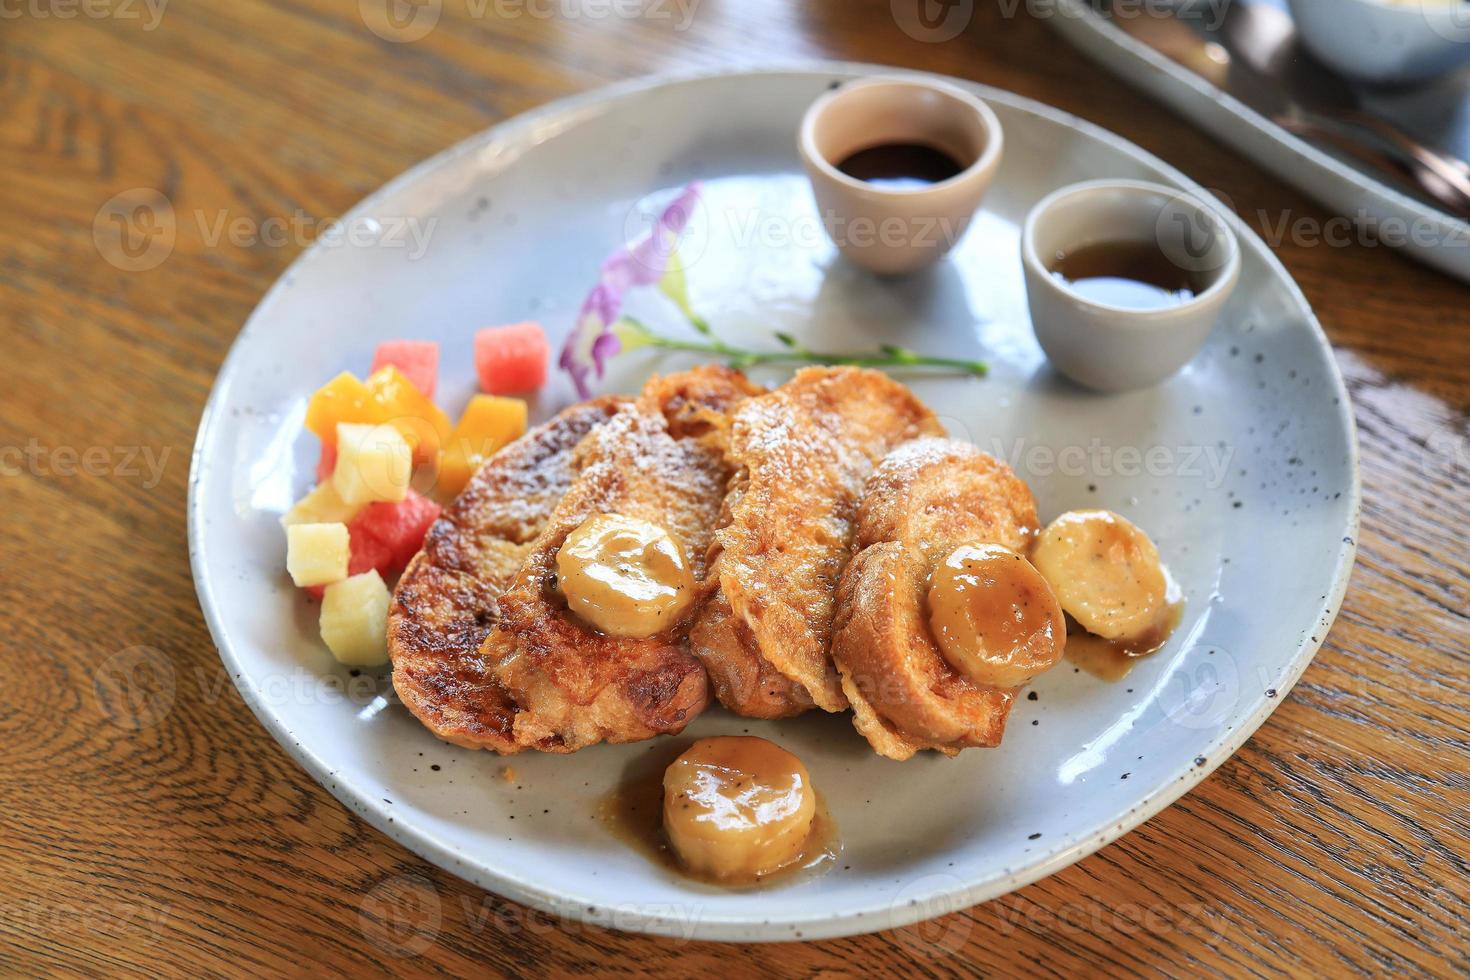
(737, 808)
(994, 617)
(1105, 572)
(625, 576)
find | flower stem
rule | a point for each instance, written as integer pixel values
(886, 356)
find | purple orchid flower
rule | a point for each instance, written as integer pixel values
(592, 341)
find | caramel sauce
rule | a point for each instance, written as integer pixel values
(633, 814)
(1112, 660)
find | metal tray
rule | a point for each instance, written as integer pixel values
(1379, 213)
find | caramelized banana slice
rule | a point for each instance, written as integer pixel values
(993, 616)
(625, 576)
(737, 808)
(1105, 572)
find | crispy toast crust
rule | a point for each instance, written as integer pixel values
(446, 601)
(926, 499)
(804, 452)
(663, 459)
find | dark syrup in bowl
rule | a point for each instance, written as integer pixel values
(901, 166)
(1132, 275)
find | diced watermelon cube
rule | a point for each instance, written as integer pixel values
(417, 359)
(327, 463)
(399, 526)
(366, 553)
(511, 358)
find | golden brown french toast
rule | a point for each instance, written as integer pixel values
(663, 459)
(803, 453)
(446, 601)
(926, 499)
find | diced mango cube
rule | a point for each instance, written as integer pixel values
(402, 405)
(388, 396)
(489, 423)
(316, 554)
(374, 462)
(343, 399)
(355, 620)
(322, 506)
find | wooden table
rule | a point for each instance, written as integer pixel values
(1336, 840)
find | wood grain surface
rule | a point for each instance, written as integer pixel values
(1336, 840)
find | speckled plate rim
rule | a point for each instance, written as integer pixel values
(555, 117)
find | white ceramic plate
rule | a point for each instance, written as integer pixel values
(1243, 468)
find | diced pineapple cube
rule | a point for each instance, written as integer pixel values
(355, 620)
(316, 554)
(374, 462)
(322, 506)
(489, 423)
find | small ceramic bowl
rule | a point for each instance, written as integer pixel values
(890, 230)
(1113, 348)
(1388, 41)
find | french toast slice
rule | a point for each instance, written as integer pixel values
(663, 459)
(446, 600)
(925, 499)
(803, 453)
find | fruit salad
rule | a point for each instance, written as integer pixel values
(390, 458)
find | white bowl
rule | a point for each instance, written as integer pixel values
(1112, 348)
(1386, 40)
(887, 231)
